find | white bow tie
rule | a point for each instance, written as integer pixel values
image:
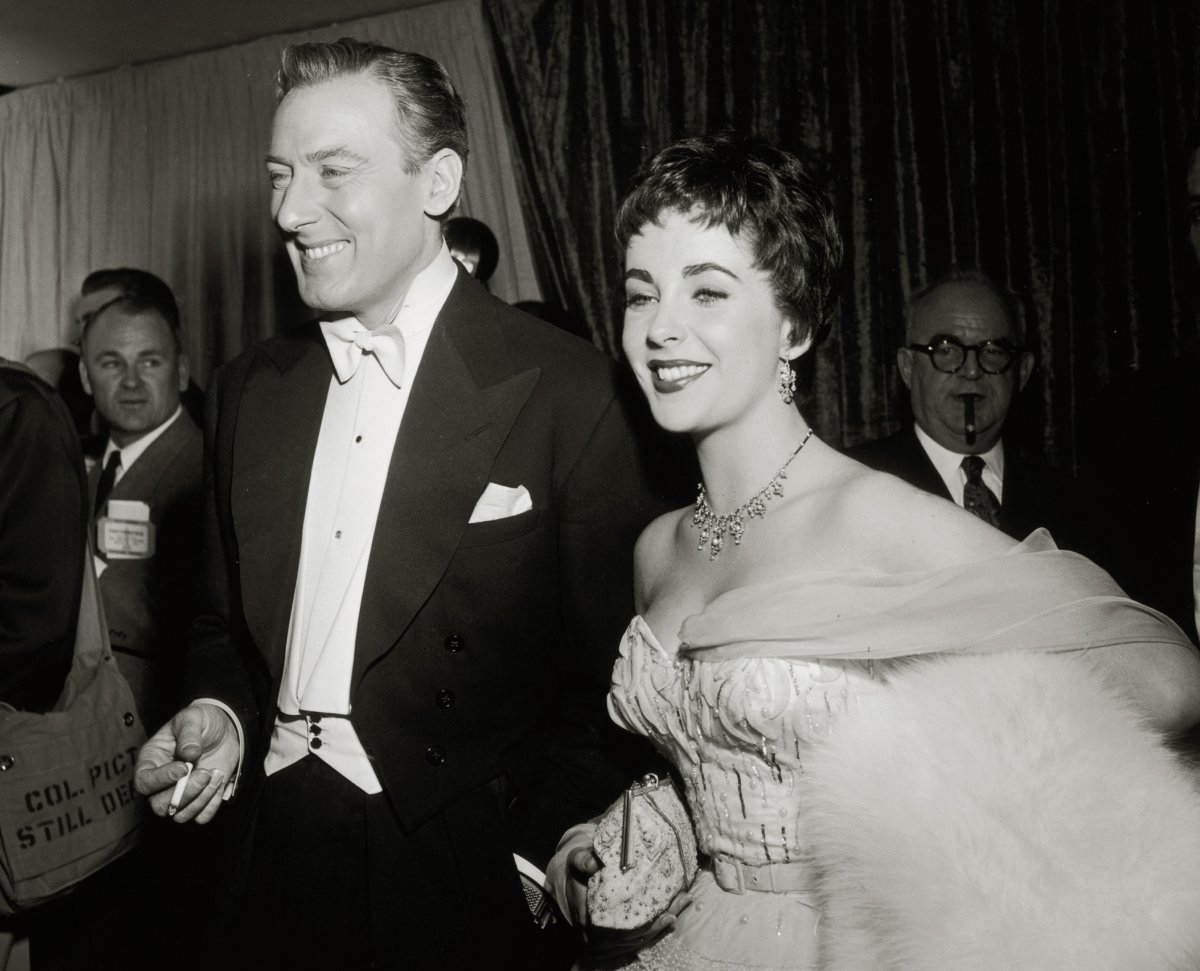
(347, 340)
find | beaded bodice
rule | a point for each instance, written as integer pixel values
(737, 730)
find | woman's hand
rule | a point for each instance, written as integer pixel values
(606, 943)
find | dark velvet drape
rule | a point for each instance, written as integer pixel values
(1041, 139)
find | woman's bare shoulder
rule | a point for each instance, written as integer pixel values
(908, 528)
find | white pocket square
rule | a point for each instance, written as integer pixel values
(501, 502)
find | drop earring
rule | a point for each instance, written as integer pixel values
(787, 381)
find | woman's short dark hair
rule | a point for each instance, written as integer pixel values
(757, 191)
(430, 114)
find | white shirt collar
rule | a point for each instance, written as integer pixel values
(426, 293)
(949, 465)
(133, 451)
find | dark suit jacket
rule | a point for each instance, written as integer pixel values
(1032, 497)
(43, 531)
(1140, 460)
(483, 651)
(149, 603)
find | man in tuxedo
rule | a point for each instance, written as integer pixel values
(421, 509)
(964, 365)
(145, 490)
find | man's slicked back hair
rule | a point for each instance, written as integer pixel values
(757, 191)
(430, 114)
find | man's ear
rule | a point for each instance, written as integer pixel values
(83, 377)
(1026, 369)
(904, 363)
(445, 171)
(185, 372)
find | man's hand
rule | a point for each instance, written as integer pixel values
(203, 735)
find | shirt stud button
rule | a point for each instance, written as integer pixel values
(445, 698)
(314, 744)
(435, 755)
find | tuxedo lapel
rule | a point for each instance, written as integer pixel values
(464, 401)
(278, 423)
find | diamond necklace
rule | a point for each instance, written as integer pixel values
(713, 527)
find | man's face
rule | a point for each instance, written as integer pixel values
(354, 221)
(1193, 192)
(133, 369)
(971, 313)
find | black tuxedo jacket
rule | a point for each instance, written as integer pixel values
(484, 650)
(1032, 497)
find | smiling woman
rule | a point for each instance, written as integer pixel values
(783, 607)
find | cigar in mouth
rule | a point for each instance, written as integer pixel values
(968, 401)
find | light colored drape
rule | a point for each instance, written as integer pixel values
(160, 167)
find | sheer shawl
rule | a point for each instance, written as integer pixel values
(1034, 598)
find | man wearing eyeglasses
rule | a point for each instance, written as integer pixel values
(964, 364)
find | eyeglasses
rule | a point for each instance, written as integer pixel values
(948, 354)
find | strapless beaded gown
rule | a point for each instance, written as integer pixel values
(738, 732)
(764, 673)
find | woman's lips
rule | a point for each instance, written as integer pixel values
(671, 376)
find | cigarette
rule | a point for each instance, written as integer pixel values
(177, 792)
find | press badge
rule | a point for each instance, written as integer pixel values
(126, 533)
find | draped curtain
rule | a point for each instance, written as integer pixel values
(160, 167)
(1040, 139)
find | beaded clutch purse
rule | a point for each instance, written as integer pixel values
(647, 847)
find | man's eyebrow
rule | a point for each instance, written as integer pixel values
(339, 152)
(693, 269)
(636, 274)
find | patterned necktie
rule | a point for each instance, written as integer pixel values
(107, 478)
(977, 497)
(348, 340)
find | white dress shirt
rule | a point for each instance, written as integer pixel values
(349, 472)
(949, 466)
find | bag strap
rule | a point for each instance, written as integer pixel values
(91, 633)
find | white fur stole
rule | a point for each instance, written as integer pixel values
(1003, 813)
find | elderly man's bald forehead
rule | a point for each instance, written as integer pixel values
(970, 309)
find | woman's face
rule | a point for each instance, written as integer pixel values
(702, 331)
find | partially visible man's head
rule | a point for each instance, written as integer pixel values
(977, 365)
(367, 154)
(474, 245)
(1193, 188)
(101, 286)
(132, 365)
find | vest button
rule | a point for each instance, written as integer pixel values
(314, 730)
(445, 698)
(314, 743)
(454, 643)
(435, 754)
